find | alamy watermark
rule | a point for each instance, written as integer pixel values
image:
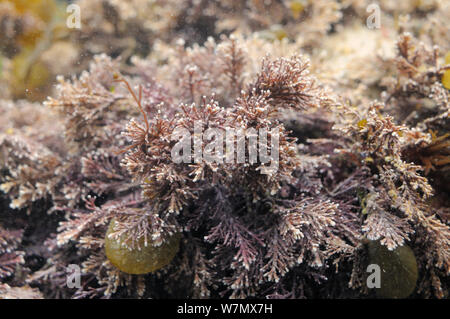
(73, 279)
(374, 19)
(229, 145)
(374, 279)
(73, 21)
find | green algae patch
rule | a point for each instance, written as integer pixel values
(399, 270)
(144, 260)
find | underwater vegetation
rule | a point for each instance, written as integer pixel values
(28, 30)
(88, 177)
